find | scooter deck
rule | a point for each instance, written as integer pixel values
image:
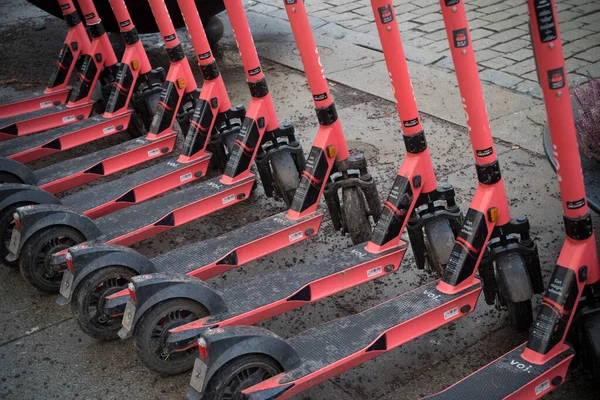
(285, 285)
(43, 119)
(76, 171)
(127, 190)
(222, 252)
(135, 223)
(510, 376)
(29, 148)
(324, 346)
(27, 102)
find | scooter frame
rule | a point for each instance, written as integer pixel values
(414, 313)
(417, 173)
(300, 222)
(97, 65)
(232, 187)
(213, 106)
(57, 90)
(537, 367)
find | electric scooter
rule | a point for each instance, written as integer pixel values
(571, 307)
(57, 90)
(96, 272)
(47, 229)
(212, 114)
(97, 65)
(249, 361)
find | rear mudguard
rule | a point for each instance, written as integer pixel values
(19, 170)
(15, 193)
(156, 288)
(513, 278)
(90, 257)
(37, 217)
(231, 342)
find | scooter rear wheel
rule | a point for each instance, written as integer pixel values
(355, 215)
(152, 330)
(240, 374)
(285, 176)
(439, 242)
(36, 255)
(6, 228)
(88, 301)
(7, 177)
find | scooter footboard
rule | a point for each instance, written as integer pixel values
(511, 377)
(28, 102)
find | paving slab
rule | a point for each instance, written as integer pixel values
(436, 91)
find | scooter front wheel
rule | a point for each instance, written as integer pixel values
(35, 259)
(88, 300)
(240, 374)
(355, 215)
(439, 242)
(153, 328)
(520, 314)
(6, 229)
(285, 176)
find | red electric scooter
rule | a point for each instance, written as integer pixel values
(212, 115)
(57, 90)
(253, 362)
(572, 301)
(45, 230)
(161, 302)
(98, 65)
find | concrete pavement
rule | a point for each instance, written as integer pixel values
(499, 29)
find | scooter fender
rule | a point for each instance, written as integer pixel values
(88, 258)
(230, 342)
(156, 288)
(19, 170)
(15, 193)
(513, 278)
(37, 217)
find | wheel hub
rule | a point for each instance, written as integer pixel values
(107, 290)
(49, 268)
(248, 377)
(172, 324)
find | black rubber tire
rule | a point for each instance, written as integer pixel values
(148, 344)
(39, 248)
(254, 368)
(90, 295)
(6, 227)
(136, 126)
(214, 30)
(520, 314)
(355, 215)
(285, 176)
(439, 242)
(7, 177)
